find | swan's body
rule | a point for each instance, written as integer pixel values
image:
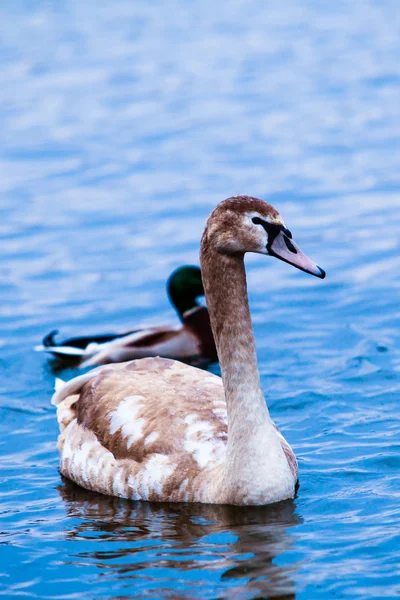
(192, 342)
(124, 438)
(158, 430)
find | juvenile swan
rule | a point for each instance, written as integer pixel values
(158, 430)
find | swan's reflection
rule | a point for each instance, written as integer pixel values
(232, 547)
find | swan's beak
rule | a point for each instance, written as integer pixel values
(284, 248)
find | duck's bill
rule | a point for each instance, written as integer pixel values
(287, 250)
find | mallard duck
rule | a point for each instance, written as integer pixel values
(159, 430)
(192, 342)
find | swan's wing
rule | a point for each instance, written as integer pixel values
(145, 429)
(290, 455)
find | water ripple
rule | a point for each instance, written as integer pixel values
(122, 126)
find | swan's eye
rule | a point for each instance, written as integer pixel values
(273, 230)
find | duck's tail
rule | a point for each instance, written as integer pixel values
(48, 340)
(77, 346)
(49, 344)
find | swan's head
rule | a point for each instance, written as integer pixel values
(245, 224)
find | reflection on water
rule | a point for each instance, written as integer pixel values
(239, 545)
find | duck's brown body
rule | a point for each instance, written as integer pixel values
(192, 343)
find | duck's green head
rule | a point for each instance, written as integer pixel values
(184, 287)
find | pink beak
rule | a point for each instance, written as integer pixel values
(284, 248)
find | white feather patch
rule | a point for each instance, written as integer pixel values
(152, 478)
(81, 459)
(125, 418)
(200, 441)
(151, 438)
(119, 487)
(58, 384)
(190, 419)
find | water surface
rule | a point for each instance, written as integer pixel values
(122, 126)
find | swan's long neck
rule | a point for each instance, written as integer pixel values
(249, 424)
(224, 280)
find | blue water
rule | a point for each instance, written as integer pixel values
(122, 125)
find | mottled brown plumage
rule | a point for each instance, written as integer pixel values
(159, 430)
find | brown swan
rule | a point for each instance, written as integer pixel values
(158, 430)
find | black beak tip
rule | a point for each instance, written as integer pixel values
(322, 273)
